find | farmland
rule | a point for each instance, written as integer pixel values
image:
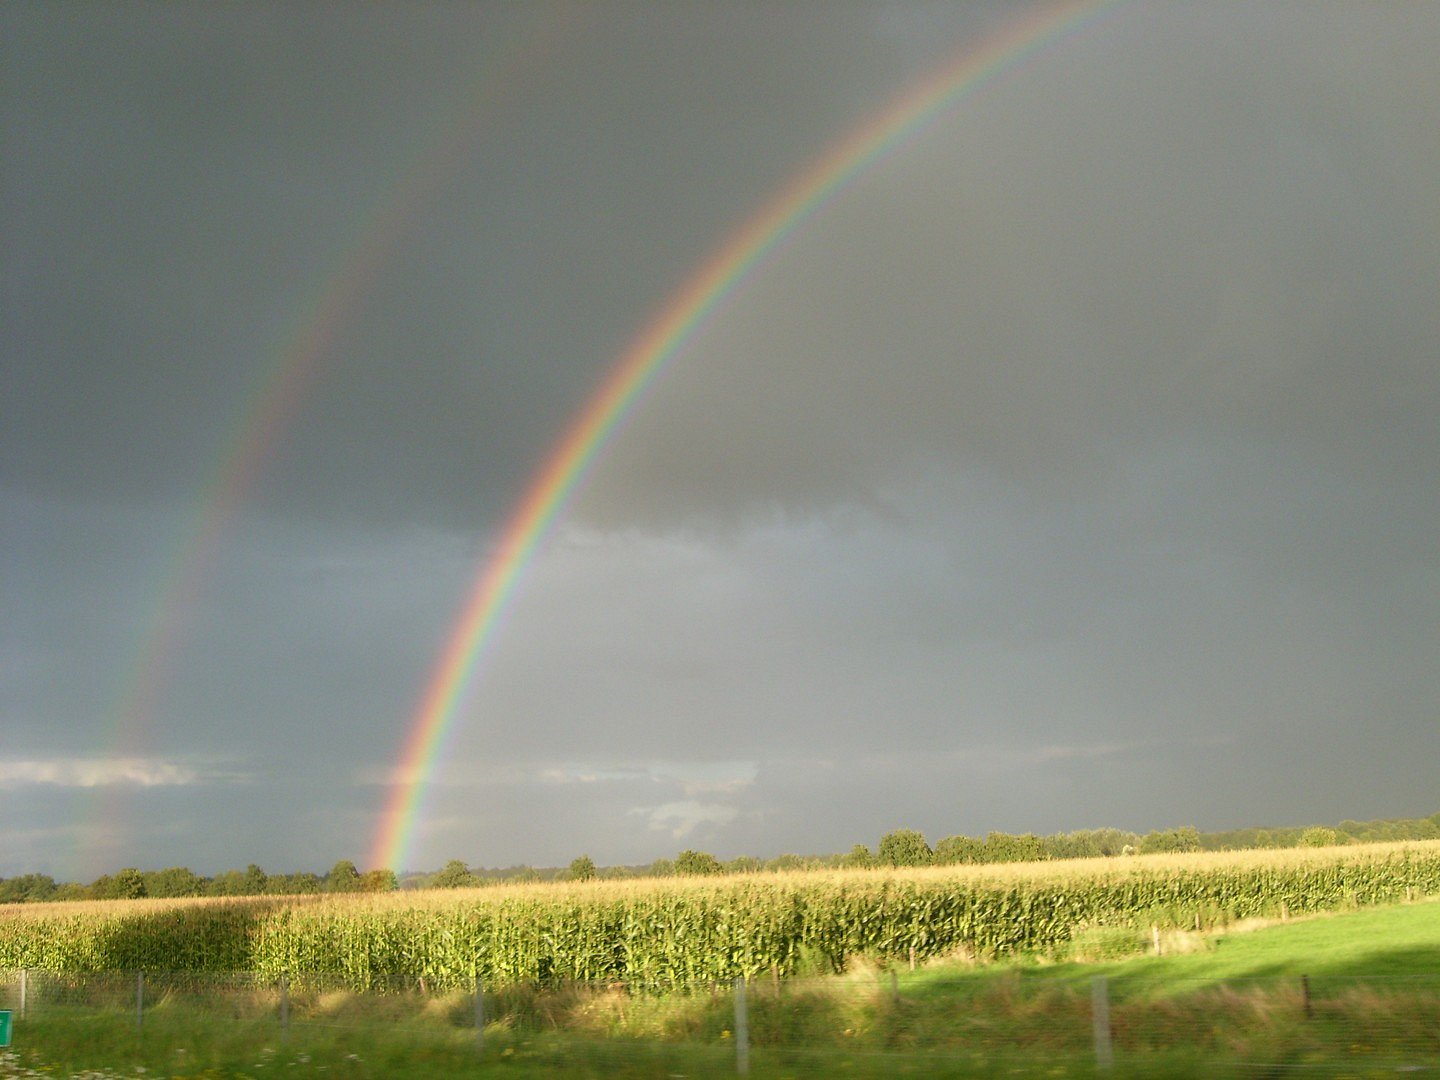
(664, 933)
(1357, 993)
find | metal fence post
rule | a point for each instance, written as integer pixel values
(24, 974)
(139, 1000)
(1100, 1021)
(284, 1006)
(742, 1031)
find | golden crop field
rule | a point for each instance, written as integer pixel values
(688, 930)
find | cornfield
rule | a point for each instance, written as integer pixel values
(666, 932)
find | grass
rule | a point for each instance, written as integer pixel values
(1214, 1005)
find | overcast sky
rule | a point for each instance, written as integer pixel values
(1076, 465)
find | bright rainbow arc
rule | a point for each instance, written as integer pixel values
(663, 339)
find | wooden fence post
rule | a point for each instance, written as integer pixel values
(742, 1031)
(479, 1016)
(1100, 1021)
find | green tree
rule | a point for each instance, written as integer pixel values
(696, 863)
(1003, 847)
(343, 877)
(453, 875)
(127, 884)
(174, 881)
(379, 880)
(1185, 838)
(904, 847)
(959, 849)
(582, 868)
(27, 889)
(859, 857)
(1319, 836)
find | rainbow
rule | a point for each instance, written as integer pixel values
(658, 343)
(281, 386)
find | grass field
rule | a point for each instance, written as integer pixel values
(1214, 1004)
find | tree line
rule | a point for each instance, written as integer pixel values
(900, 847)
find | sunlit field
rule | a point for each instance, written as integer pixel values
(667, 932)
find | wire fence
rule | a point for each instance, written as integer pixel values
(1280, 1025)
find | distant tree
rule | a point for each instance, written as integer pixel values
(175, 881)
(127, 884)
(1185, 838)
(742, 864)
(298, 884)
(696, 863)
(1319, 836)
(453, 875)
(959, 849)
(380, 880)
(27, 889)
(787, 862)
(661, 868)
(582, 868)
(1004, 848)
(257, 882)
(859, 857)
(343, 877)
(904, 847)
(229, 883)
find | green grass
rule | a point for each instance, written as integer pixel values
(1230, 1002)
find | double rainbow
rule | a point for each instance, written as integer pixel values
(659, 342)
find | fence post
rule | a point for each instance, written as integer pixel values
(23, 979)
(284, 1006)
(139, 1000)
(742, 1031)
(479, 1016)
(1100, 1021)
(1305, 997)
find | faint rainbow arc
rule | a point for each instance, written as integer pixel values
(280, 388)
(661, 340)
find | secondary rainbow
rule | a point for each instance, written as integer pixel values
(279, 391)
(657, 344)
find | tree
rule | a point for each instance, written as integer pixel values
(453, 875)
(175, 881)
(959, 849)
(582, 868)
(859, 858)
(1185, 838)
(695, 863)
(127, 884)
(343, 877)
(380, 880)
(27, 889)
(1319, 836)
(904, 847)
(1003, 847)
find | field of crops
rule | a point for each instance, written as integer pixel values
(688, 931)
